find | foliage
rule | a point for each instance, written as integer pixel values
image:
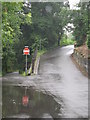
(12, 17)
(88, 40)
(38, 25)
(49, 21)
(10, 34)
(65, 42)
(80, 22)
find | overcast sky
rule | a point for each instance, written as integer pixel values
(73, 2)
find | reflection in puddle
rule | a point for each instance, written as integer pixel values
(39, 105)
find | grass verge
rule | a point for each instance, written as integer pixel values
(41, 52)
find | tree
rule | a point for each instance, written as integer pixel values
(80, 22)
(38, 25)
(88, 37)
(49, 20)
(10, 33)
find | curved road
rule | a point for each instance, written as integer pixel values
(65, 81)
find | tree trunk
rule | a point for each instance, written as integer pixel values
(59, 40)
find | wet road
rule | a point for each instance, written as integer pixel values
(66, 81)
(60, 89)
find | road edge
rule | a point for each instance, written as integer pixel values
(78, 66)
(36, 66)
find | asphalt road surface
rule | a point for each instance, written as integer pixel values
(61, 88)
(68, 82)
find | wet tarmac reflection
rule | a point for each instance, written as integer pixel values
(38, 105)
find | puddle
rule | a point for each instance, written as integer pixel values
(39, 105)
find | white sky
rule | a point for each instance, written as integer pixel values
(73, 2)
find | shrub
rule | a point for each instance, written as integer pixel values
(65, 42)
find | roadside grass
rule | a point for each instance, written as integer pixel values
(23, 74)
(65, 42)
(41, 52)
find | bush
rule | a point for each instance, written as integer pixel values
(65, 42)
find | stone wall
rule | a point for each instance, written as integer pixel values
(89, 67)
(81, 60)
